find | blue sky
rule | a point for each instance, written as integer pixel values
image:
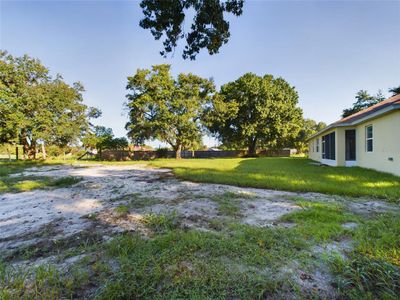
(327, 49)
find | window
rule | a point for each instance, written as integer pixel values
(369, 137)
(328, 146)
(317, 145)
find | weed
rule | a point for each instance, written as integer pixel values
(121, 210)
(27, 183)
(198, 265)
(361, 277)
(373, 268)
(136, 200)
(162, 222)
(320, 221)
(65, 181)
(380, 238)
(228, 204)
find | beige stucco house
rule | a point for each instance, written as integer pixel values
(369, 139)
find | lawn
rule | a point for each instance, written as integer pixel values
(289, 174)
(27, 183)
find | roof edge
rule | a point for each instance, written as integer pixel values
(358, 121)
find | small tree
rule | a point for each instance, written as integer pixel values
(98, 138)
(395, 91)
(363, 100)
(308, 128)
(254, 111)
(166, 109)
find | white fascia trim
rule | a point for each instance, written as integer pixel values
(366, 118)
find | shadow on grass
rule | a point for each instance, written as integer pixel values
(293, 174)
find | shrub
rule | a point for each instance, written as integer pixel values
(162, 152)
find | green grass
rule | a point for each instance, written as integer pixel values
(200, 265)
(320, 221)
(43, 282)
(289, 174)
(380, 239)
(136, 200)
(235, 261)
(121, 210)
(373, 269)
(228, 204)
(27, 183)
(162, 222)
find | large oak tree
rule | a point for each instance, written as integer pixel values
(167, 109)
(254, 111)
(34, 107)
(209, 29)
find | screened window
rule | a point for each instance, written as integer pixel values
(328, 146)
(369, 137)
(317, 146)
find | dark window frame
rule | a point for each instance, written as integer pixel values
(329, 146)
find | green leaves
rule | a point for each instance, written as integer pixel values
(166, 109)
(254, 111)
(35, 107)
(364, 100)
(208, 30)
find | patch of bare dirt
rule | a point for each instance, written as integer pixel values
(25, 216)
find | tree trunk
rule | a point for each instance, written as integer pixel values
(32, 150)
(9, 154)
(25, 145)
(252, 147)
(178, 150)
(44, 154)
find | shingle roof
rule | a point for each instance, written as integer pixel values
(367, 111)
(390, 103)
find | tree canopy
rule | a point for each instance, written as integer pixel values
(254, 111)
(161, 107)
(34, 107)
(363, 100)
(308, 128)
(102, 138)
(395, 90)
(209, 28)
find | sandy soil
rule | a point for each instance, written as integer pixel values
(23, 216)
(38, 216)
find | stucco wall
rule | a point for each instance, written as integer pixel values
(386, 144)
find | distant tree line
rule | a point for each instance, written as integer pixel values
(250, 112)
